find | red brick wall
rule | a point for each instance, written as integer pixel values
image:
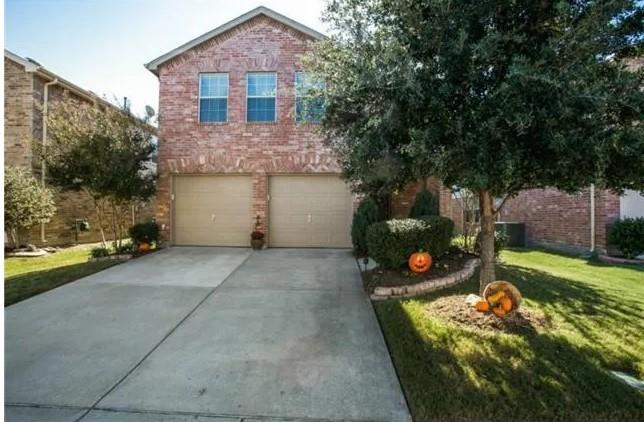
(555, 218)
(17, 115)
(24, 93)
(259, 149)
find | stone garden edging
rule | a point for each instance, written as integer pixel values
(382, 293)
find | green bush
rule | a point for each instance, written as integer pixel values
(391, 242)
(99, 252)
(124, 248)
(628, 236)
(365, 215)
(425, 204)
(500, 241)
(144, 233)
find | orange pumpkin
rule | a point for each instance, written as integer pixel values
(506, 303)
(498, 311)
(482, 306)
(419, 262)
(144, 247)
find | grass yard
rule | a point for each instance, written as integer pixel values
(26, 277)
(452, 373)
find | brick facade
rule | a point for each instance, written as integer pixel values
(24, 94)
(556, 219)
(258, 149)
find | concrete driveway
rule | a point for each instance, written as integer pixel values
(203, 334)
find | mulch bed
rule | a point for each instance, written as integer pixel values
(454, 309)
(445, 265)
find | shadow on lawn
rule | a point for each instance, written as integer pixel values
(23, 286)
(451, 374)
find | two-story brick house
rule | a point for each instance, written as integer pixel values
(29, 89)
(232, 148)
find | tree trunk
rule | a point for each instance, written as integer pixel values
(487, 273)
(99, 218)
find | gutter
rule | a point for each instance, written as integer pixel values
(43, 167)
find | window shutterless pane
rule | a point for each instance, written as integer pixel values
(214, 85)
(261, 84)
(213, 97)
(261, 93)
(261, 110)
(309, 104)
(213, 109)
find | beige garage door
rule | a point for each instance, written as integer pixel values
(212, 210)
(309, 211)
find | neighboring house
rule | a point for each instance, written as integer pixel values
(563, 221)
(28, 89)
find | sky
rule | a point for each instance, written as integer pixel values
(102, 45)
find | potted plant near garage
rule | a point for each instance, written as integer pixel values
(257, 236)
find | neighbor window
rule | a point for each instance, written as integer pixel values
(309, 102)
(213, 97)
(261, 91)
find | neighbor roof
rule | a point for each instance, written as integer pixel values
(153, 66)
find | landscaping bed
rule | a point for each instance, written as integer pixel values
(579, 320)
(445, 265)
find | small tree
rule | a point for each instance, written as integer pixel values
(468, 202)
(26, 203)
(425, 203)
(495, 97)
(365, 215)
(104, 152)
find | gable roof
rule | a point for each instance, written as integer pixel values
(153, 66)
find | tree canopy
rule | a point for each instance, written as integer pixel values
(104, 152)
(494, 97)
(26, 202)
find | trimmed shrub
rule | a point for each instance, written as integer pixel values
(100, 252)
(365, 215)
(144, 233)
(425, 204)
(628, 236)
(391, 242)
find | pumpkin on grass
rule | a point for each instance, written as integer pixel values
(144, 247)
(419, 262)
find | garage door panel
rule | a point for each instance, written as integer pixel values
(212, 210)
(309, 211)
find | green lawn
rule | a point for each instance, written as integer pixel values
(26, 277)
(454, 374)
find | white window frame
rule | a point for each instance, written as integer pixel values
(199, 98)
(261, 96)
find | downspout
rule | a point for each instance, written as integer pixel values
(592, 218)
(43, 167)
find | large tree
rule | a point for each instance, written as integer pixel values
(106, 153)
(489, 96)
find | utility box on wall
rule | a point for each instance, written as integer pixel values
(515, 232)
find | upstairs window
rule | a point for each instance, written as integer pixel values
(213, 97)
(309, 101)
(261, 89)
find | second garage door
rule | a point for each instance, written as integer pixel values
(212, 210)
(309, 211)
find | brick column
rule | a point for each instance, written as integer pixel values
(260, 202)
